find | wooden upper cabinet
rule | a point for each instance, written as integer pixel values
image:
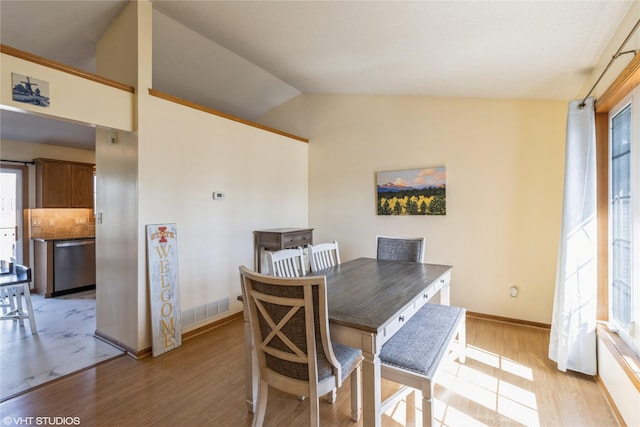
(81, 185)
(61, 184)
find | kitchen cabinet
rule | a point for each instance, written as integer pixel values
(64, 266)
(63, 184)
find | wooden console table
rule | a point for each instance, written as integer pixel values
(276, 239)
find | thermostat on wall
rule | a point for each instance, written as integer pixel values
(218, 195)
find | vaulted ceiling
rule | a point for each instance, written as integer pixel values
(246, 57)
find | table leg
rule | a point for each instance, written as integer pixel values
(371, 390)
(371, 372)
(445, 294)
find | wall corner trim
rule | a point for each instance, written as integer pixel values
(214, 112)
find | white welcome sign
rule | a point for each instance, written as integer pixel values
(162, 267)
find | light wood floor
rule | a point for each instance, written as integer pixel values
(507, 381)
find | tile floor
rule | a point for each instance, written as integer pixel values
(64, 343)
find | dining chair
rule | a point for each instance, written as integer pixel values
(290, 326)
(287, 263)
(323, 255)
(13, 292)
(400, 248)
(6, 300)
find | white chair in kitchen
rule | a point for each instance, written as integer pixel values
(323, 255)
(7, 302)
(287, 263)
(15, 287)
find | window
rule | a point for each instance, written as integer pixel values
(12, 194)
(624, 219)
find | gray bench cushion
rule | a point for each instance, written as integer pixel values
(421, 343)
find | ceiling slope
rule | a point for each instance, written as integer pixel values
(246, 57)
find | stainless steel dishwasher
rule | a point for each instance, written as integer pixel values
(74, 266)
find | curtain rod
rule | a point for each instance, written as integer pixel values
(613, 58)
(18, 161)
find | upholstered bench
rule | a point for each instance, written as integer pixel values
(413, 354)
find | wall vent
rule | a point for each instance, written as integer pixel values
(204, 312)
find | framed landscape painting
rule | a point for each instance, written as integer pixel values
(412, 192)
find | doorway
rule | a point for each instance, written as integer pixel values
(13, 194)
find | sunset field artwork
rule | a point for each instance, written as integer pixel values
(412, 192)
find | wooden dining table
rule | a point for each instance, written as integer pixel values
(368, 300)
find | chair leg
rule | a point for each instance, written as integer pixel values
(32, 316)
(261, 410)
(314, 409)
(331, 396)
(356, 393)
(7, 301)
(18, 291)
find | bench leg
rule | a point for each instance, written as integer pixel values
(410, 416)
(462, 341)
(427, 404)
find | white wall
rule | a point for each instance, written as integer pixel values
(166, 172)
(621, 62)
(621, 389)
(120, 292)
(185, 156)
(69, 96)
(505, 163)
(116, 243)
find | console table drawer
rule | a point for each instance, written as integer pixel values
(276, 239)
(297, 239)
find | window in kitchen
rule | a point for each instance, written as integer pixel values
(624, 219)
(11, 194)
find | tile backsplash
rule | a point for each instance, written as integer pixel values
(60, 223)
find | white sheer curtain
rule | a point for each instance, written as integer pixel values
(573, 327)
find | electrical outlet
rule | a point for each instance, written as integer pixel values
(218, 195)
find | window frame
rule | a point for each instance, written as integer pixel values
(21, 219)
(631, 100)
(628, 79)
